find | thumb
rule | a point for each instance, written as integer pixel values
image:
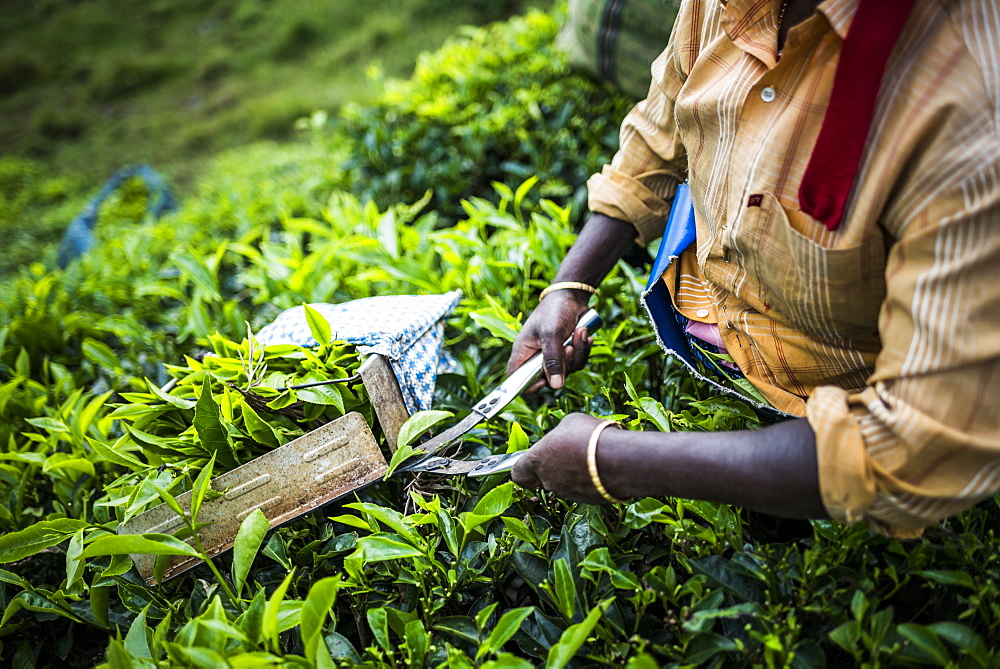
(523, 475)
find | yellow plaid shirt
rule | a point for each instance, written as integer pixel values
(885, 332)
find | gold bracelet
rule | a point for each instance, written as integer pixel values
(592, 460)
(565, 285)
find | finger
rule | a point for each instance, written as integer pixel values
(520, 353)
(580, 350)
(523, 475)
(535, 387)
(554, 362)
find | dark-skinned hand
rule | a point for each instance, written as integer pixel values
(549, 325)
(558, 461)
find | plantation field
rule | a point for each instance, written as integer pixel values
(89, 87)
(132, 376)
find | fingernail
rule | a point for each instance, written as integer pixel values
(556, 381)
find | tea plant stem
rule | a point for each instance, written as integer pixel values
(218, 576)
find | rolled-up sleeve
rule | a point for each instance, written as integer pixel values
(639, 183)
(922, 441)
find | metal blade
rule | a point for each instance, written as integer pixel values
(494, 464)
(445, 466)
(436, 443)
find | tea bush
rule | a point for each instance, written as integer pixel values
(109, 405)
(499, 104)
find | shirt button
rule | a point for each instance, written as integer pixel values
(701, 313)
(768, 94)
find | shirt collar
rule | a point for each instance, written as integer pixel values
(747, 23)
(840, 14)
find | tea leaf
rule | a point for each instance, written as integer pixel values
(505, 629)
(36, 538)
(270, 619)
(419, 423)
(318, 604)
(208, 422)
(248, 540)
(318, 325)
(148, 544)
(574, 637)
(200, 488)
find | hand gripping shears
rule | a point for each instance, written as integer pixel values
(487, 408)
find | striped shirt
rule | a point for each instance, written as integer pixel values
(885, 332)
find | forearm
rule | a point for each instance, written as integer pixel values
(772, 470)
(601, 243)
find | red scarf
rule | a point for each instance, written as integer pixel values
(834, 162)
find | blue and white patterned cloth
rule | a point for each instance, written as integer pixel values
(406, 329)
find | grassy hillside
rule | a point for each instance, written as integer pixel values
(90, 86)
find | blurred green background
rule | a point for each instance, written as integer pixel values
(90, 85)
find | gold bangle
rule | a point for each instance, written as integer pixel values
(592, 460)
(566, 285)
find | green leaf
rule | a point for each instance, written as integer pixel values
(498, 322)
(66, 462)
(144, 544)
(328, 395)
(416, 641)
(402, 455)
(523, 189)
(172, 400)
(484, 614)
(49, 424)
(208, 423)
(419, 423)
(964, 639)
(36, 538)
(99, 603)
(318, 325)
(74, 564)
(574, 637)
(137, 639)
(462, 627)
(377, 548)
(519, 529)
(949, 577)
(389, 517)
(100, 354)
(120, 564)
(110, 454)
(518, 439)
(378, 621)
(565, 589)
(269, 622)
(248, 540)
(117, 656)
(505, 628)
(200, 489)
(34, 601)
(751, 390)
(259, 429)
(318, 604)
(198, 272)
(388, 236)
(927, 641)
(491, 505)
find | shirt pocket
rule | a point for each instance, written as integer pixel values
(814, 279)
